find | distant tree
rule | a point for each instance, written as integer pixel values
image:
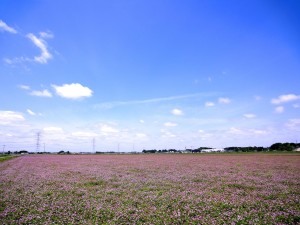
(283, 147)
(61, 152)
(202, 148)
(149, 151)
(196, 150)
(23, 152)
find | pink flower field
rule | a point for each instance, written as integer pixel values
(151, 189)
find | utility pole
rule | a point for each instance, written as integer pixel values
(44, 148)
(3, 149)
(118, 147)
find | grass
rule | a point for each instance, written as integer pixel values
(6, 157)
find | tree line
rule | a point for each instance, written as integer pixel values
(274, 147)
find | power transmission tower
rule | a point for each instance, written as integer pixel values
(94, 144)
(38, 137)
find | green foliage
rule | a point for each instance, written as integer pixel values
(5, 157)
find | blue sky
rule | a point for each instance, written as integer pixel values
(149, 74)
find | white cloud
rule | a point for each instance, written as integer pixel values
(53, 129)
(9, 117)
(44, 93)
(249, 115)
(73, 91)
(81, 134)
(224, 100)
(105, 129)
(39, 42)
(285, 98)
(177, 112)
(209, 104)
(24, 87)
(170, 124)
(142, 121)
(141, 135)
(5, 27)
(31, 112)
(42, 45)
(279, 109)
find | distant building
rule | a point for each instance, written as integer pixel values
(213, 150)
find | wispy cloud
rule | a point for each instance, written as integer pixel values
(17, 60)
(44, 93)
(209, 104)
(257, 97)
(141, 135)
(31, 112)
(293, 124)
(83, 134)
(246, 132)
(285, 98)
(296, 105)
(279, 109)
(72, 91)
(105, 129)
(167, 134)
(108, 105)
(224, 100)
(46, 35)
(170, 124)
(42, 45)
(9, 117)
(249, 115)
(5, 27)
(40, 42)
(24, 87)
(52, 129)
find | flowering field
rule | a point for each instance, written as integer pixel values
(151, 189)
